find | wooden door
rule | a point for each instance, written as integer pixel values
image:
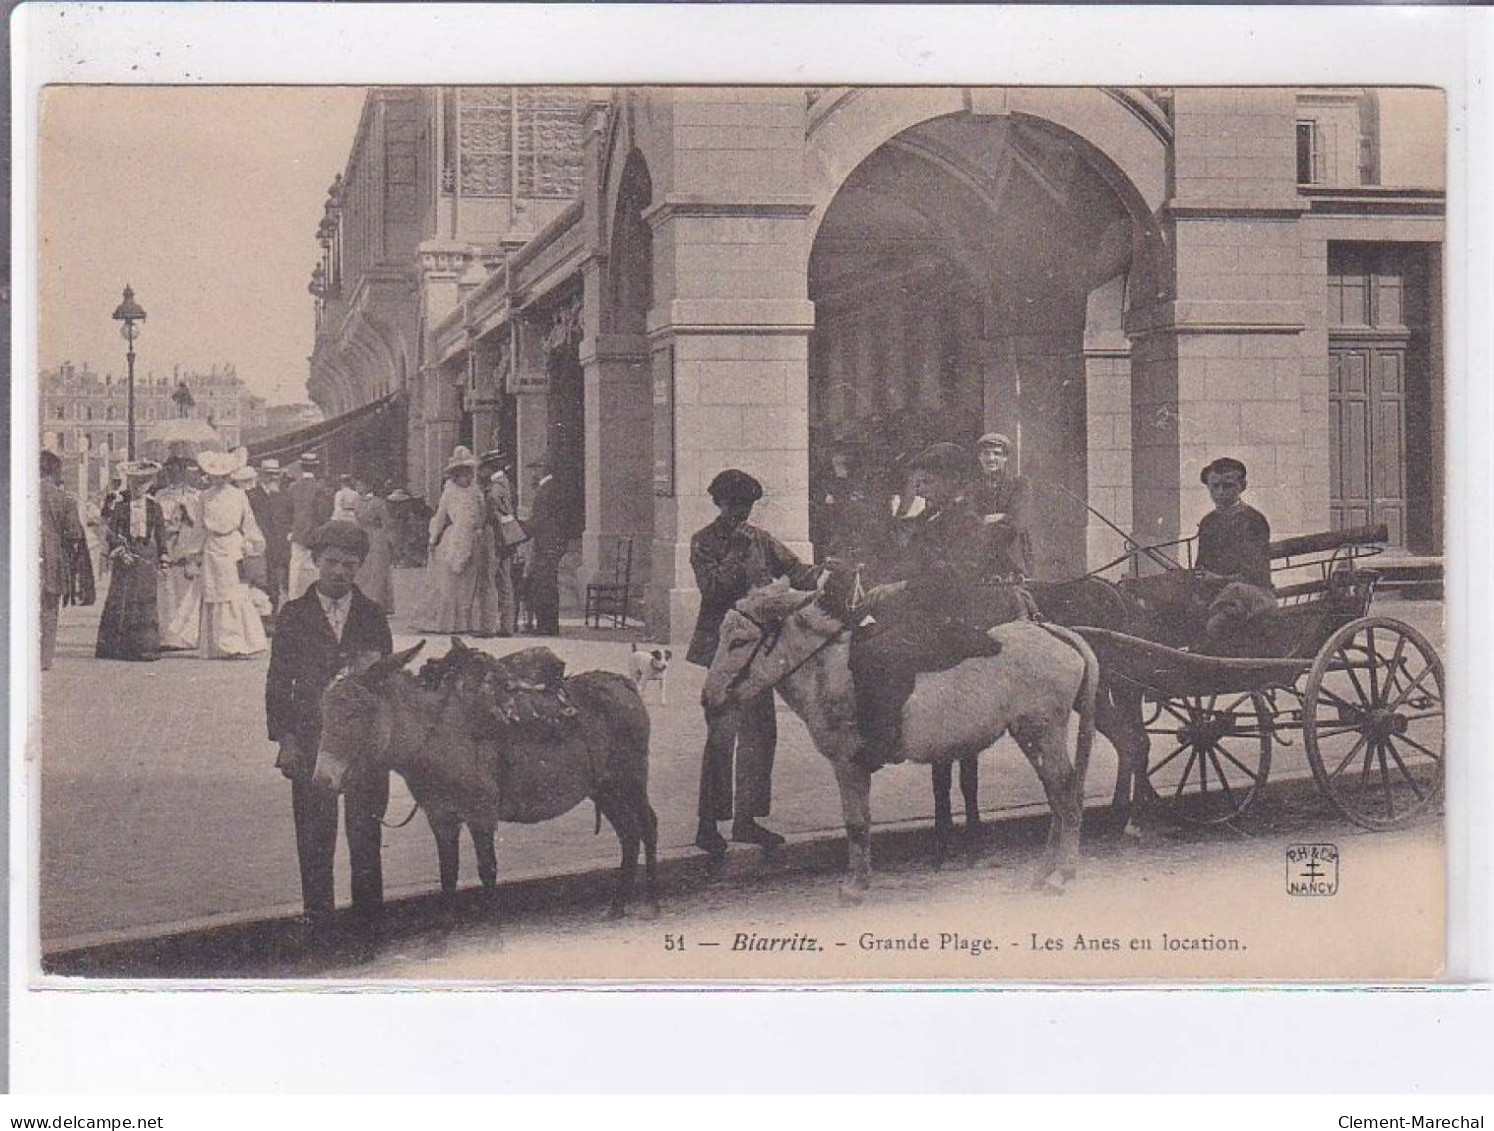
(1366, 437)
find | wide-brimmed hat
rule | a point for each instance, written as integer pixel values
(140, 469)
(399, 495)
(219, 463)
(340, 535)
(245, 474)
(492, 455)
(996, 441)
(269, 466)
(461, 456)
(734, 486)
(942, 459)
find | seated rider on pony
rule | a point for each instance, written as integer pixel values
(938, 608)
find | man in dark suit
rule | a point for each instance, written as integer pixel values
(273, 512)
(317, 635)
(548, 533)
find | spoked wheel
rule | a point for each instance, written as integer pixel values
(1218, 755)
(1372, 722)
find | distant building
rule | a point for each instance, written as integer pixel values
(645, 285)
(84, 414)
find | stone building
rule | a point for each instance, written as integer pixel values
(84, 414)
(647, 285)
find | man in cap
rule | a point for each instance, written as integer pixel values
(316, 636)
(1004, 503)
(730, 557)
(547, 530)
(507, 532)
(940, 616)
(311, 506)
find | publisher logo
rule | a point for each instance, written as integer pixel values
(1312, 869)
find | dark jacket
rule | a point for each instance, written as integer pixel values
(727, 563)
(1236, 543)
(1008, 541)
(946, 570)
(547, 519)
(60, 532)
(262, 503)
(305, 656)
(311, 505)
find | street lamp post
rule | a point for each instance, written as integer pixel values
(129, 313)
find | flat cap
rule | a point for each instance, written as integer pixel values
(337, 535)
(1222, 465)
(942, 459)
(733, 485)
(994, 440)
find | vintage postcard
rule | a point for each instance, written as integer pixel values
(554, 534)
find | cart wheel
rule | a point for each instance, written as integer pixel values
(1219, 755)
(1372, 720)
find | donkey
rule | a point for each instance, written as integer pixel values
(377, 714)
(777, 637)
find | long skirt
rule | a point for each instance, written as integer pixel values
(376, 576)
(128, 629)
(232, 628)
(464, 601)
(179, 599)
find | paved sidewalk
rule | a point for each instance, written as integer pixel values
(160, 805)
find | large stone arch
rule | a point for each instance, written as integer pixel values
(847, 125)
(964, 247)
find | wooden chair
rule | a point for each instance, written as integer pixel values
(613, 598)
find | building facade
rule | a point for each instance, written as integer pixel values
(647, 285)
(84, 414)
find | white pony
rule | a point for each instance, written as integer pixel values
(778, 637)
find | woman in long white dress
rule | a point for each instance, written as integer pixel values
(231, 626)
(179, 586)
(463, 597)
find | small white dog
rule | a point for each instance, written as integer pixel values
(650, 665)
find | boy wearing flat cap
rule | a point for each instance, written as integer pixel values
(316, 636)
(730, 557)
(1004, 502)
(1234, 539)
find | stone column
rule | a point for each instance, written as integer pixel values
(1217, 368)
(730, 324)
(619, 453)
(442, 265)
(1107, 425)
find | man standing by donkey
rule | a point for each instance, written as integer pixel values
(316, 636)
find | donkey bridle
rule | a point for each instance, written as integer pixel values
(767, 640)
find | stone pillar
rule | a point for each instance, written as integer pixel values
(619, 453)
(442, 265)
(1107, 424)
(531, 384)
(1217, 368)
(730, 324)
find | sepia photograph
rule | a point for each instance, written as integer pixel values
(537, 534)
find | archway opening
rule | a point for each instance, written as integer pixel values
(952, 275)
